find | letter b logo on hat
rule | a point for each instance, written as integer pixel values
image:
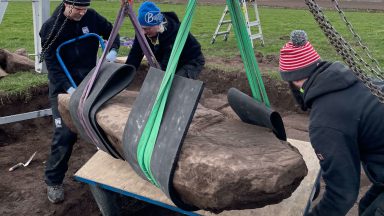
(149, 14)
(150, 17)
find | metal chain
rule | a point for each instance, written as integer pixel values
(344, 49)
(379, 72)
(47, 45)
(326, 25)
(352, 52)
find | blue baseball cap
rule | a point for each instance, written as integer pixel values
(149, 14)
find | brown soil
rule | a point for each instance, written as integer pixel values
(23, 192)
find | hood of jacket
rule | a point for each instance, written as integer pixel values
(327, 78)
(172, 24)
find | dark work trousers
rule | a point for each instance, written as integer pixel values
(192, 69)
(372, 204)
(61, 148)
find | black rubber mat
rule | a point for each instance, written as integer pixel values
(179, 110)
(252, 112)
(113, 78)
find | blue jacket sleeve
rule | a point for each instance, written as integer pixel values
(340, 162)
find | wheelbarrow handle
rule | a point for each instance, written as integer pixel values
(71, 41)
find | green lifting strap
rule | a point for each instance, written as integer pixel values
(247, 54)
(150, 132)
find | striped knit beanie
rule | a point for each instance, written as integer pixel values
(298, 59)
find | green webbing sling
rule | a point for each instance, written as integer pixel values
(247, 54)
(150, 132)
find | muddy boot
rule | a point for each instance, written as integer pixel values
(55, 193)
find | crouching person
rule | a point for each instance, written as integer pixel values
(160, 30)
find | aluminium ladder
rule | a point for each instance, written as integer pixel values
(256, 23)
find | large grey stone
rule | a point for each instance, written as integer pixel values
(224, 164)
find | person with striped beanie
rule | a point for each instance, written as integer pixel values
(345, 127)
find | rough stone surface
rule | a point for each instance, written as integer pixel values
(224, 164)
(22, 52)
(14, 62)
(231, 165)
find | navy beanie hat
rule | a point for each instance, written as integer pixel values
(79, 3)
(149, 14)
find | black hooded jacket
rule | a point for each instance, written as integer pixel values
(79, 57)
(346, 129)
(163, 49)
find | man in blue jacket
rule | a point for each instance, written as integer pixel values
(71, 19)
(161, 30)
(346, 127)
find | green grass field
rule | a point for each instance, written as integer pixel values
(16, 31)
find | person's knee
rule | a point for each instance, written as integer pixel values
(189, 71)
(193, 69)
(193, 74)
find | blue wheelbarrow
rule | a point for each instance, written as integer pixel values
(71, 41)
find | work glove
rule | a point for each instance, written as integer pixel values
(71, 90)
(111, 56)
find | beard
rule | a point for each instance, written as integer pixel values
(298, 96)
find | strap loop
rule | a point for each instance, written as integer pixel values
(151, 130)
(247, 54)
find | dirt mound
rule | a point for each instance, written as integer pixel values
(35, 99)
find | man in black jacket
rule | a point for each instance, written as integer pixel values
(80, 57)
(346, 127)
(161, 30)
